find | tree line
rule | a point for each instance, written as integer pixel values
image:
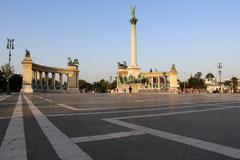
(101, 86)
(15, 79)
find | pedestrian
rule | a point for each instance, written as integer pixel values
(130, 89)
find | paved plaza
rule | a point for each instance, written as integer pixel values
(119, 127)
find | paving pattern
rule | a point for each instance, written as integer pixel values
(119, 127)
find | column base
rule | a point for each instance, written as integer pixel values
(26, 89)
(173, 90)
(73, 90)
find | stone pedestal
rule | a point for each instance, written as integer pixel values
(173, 80)
(73, 90)
(73, 78)
(27, 75)
(134, 71)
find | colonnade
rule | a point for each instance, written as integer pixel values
(37, 77)
(42, 80)
(162, 81)
(157, 82)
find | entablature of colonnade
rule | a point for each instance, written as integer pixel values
(156, 74)
(42, 68)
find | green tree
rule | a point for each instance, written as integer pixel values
(196, 81)
(3, 82)
(84, 85)
(101, 86)
(113, 85)
(15, 79)
(5, 70)
(15, 83)
(234, 82)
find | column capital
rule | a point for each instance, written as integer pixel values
(133, 21)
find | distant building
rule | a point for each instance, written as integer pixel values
(213, 86)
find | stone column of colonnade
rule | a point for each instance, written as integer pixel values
(53, 80)
(157, 83)
(34, 79)
(46, 80)
(47, 85)
(165, 82)
(40, 80)
(37, 79)
(60, 80)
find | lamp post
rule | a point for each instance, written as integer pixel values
(219, 66)
(10, 47)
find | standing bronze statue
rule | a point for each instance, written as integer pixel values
(132, 8)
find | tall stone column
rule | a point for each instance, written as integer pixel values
(27, 74)
(133, 22)
(133, 70)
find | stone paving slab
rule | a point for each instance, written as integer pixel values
(76, 126)
(38, 146)
(146, 147)
(214, 126)
(3, 127)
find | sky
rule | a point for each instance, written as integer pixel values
(193, 35)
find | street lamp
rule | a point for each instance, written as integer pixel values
(219, 66)
(10, 47)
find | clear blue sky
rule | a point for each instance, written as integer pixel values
(194, 35)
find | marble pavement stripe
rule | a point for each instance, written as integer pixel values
(14, 146)
(180, 112)
(138, 110)
(209, 146)
(48, 100)
(8, 117)
(1, 99)
(68, 107)
(141, 106)
(63, 146)
(106, 136)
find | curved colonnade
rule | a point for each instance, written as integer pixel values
(39, 78)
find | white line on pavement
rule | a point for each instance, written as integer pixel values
(68, 107)
(7, 117)
(14, 146)
(106, 136)
(1, 99)
(180, 112)
(209, 146)
(137, 105)
(63, 146)
(130, 111)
